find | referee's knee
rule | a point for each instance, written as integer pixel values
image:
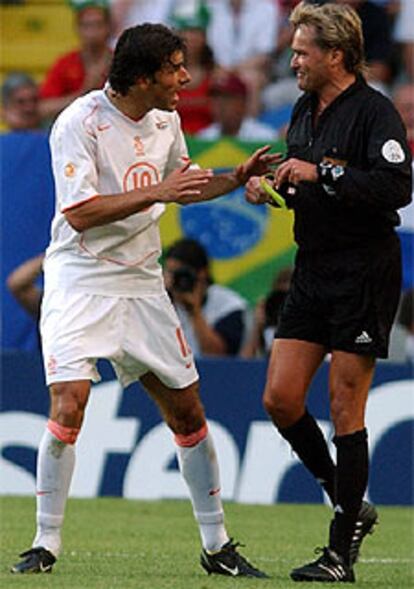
(283, 411)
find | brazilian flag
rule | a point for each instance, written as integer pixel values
(247, 244)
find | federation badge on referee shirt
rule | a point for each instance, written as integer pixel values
(393, 152)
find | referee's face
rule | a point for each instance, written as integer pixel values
(309, 62)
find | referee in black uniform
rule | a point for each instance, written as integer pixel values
(347, 171)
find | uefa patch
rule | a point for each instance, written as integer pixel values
(393, 152)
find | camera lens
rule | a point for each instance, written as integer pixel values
(184, 279)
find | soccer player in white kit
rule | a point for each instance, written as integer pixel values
(118, 156)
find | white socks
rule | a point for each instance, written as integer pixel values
(199, 467)
(55, 464)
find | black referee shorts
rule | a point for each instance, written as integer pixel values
(345, 300)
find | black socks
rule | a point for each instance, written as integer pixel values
(351, 482)
(345, 484)
(308, 441)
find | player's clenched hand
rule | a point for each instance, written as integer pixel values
(257, 164)
(254, 192)
(295, 171)
(182, 184)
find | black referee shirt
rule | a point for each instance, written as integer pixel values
(361, 131)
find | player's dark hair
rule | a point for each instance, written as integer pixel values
(141, 51)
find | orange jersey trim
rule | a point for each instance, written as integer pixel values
(79, 204)
(114, 260)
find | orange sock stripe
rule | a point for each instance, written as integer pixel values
(187, 441)
(67, 435)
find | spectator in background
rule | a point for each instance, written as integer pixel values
(230, 112)
(377, 40)
(406, 320)
(266, 317)
(404, 34)
(214, 318)
(195, 101)
(20, 103)
(242, 35)
(23, 285)
(283, 88)
(403, 98)
(128, 13)
(84, 69)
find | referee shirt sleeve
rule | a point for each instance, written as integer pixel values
(386, 181)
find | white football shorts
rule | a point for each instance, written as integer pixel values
(137, 335)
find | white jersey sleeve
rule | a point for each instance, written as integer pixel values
(74, 147)
(178, 155)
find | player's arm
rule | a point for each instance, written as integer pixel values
(210, 341)
(182, 185)
(22, 284)
(258, 163)
(74, 156)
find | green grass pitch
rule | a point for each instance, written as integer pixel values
(113, 543)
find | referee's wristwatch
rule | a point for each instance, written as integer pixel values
(329, 173)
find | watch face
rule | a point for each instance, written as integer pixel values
(337, 172)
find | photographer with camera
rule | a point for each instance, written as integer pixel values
(213, 317)
(266, 316)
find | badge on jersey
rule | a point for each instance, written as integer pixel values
(393, 152)
(70, 170)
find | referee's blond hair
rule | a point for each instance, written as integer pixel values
(336, 27)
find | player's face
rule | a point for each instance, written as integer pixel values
(309, 62)
(168, 82)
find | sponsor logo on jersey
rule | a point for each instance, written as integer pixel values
(161, 124)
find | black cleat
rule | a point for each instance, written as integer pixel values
(228, 561)
(36, 560)
(329, 568)
(367, 518)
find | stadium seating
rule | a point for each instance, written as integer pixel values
(34, 34)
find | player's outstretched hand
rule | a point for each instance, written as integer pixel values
(183, 185)
(261, 162)
(254, 192)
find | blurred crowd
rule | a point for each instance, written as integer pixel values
(238, 56)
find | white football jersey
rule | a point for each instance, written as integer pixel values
(97, 150)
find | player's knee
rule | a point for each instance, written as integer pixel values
(190, 439)
(67, 435)
(68, 405)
